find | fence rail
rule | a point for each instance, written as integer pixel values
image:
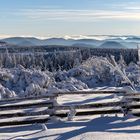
(26, 105)
(122, 92)
(27, 98)
(129, 102)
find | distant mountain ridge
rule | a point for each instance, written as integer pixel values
(112, 42)
(25, 41)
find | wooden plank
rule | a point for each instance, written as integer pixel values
(26, 105)
(23, 122)
(67, 93)
(137, 99)
(27, 98)
(132, 94)
(98, 112)
(99, 105)
(93, 92)
(135, 112)
(94, 112)
(25, 114)
(133, 106)
(88, 106)
(64, 93)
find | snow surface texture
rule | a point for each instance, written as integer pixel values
(94, 72)
(108, 127)
(98, 128)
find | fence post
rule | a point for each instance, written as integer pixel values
(71, 113)
(125, 109)
(51, 108)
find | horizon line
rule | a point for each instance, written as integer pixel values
(66, 36)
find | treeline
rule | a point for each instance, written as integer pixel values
(62, 58)
(44, 61)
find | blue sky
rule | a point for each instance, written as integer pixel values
(43, 18)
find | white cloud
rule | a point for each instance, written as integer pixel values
(119, 11)
(5, 36)
(79, 15)
(129, 6)
(132, 8)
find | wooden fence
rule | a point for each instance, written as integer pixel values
(29, 110)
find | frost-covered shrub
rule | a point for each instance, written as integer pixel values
(98, 71)
(60, 76)
(23, 81)
(132, 67)
(6, 93)
(31, 81)
(133, 72)
(78, 72)
(71, 84)
(34, 90)
(94, 72)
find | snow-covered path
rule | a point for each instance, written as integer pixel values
(104, 128)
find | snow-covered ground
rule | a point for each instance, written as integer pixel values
(97, 73)
(81, 128)
(85, 128)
